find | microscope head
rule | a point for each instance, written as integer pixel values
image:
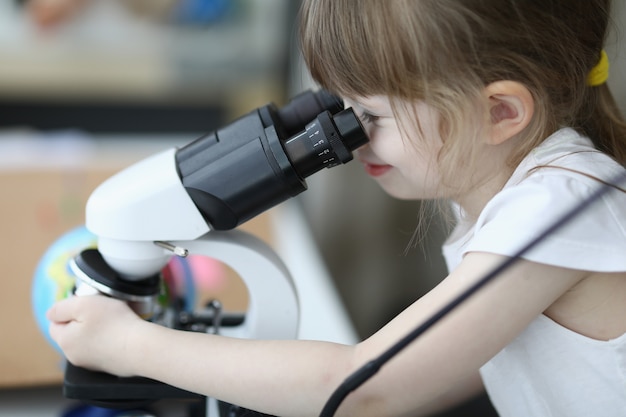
(138, 206)
(130, 213)
(216, 182)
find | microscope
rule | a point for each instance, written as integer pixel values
(190, 200)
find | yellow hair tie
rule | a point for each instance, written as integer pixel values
(600, 73)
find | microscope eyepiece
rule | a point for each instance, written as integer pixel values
(304, 107)
(263, 158)
(325, 142)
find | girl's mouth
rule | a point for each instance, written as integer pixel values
(374, 170)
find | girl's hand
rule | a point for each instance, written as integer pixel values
(94, 331)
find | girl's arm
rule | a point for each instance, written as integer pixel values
(292, 378)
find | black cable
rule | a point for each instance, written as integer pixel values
(367, 371)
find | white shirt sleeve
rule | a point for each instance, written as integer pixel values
(595, 240)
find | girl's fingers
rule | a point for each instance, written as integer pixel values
(62, 312)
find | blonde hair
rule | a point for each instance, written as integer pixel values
(446, 51)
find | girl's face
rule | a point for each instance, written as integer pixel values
(403, 164)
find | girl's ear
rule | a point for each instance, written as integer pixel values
(511, 108)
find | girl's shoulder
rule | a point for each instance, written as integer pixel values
(568, 154)
(558, 176)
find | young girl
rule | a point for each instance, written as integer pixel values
(502, 107)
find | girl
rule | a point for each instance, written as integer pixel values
(502, 107)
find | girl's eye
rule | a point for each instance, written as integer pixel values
(368, 118)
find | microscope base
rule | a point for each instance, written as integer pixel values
(105, 390)
(109, 391)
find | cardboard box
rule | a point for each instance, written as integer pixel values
(43, 194)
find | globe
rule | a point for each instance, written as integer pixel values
(53, 280)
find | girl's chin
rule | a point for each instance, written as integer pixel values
(399, 191)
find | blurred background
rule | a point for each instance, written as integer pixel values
(161, 72)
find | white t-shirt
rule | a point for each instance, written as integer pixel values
(549, 370)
